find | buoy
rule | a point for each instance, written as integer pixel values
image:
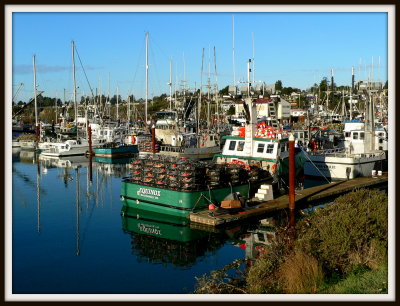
(211, 206)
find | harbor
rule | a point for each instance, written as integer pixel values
(215, 169)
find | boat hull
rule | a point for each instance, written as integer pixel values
(174, 202)
(343, 167)
(117, 151)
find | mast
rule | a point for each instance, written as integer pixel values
(200, 93)
(233, 50)
(117, 104)
(35, 90)
(253, 57)
(170, 84)
(147, 74)
(74, 89)
(351, 93)
(216, 89)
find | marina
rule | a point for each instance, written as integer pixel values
(200, 170)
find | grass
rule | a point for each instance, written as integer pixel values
(366, 282)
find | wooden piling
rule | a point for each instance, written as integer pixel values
(292, 173)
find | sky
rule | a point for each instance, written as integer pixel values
(298, 48)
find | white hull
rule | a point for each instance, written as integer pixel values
(343, 166)
(27, 145)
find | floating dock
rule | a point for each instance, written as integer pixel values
(303, 197)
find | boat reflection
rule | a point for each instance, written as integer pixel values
(167, 240)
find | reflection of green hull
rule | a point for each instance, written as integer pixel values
(157, 225)
(174, 202)
(106, 160)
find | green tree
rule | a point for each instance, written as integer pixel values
(224, 91)
(278, 85)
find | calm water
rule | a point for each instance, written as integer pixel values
(68, 235)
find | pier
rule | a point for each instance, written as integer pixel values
(308, 196)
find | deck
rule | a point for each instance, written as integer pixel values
(308, 196)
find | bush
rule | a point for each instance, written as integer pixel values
(348, 233)
(300, 273)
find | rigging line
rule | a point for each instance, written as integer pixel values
(91, 90)
(156, 72)
(137, 68)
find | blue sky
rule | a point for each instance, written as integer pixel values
(297, 48)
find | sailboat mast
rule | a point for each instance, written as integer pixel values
(351, 93)
(233, 50)
(117, 104)
(74, 89)
(170, 84)
(35, 90)
(200, 93)
(147, 74)
(216, 88)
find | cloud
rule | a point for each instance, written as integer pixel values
(28, 69)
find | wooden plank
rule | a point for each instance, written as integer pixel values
(221, 216)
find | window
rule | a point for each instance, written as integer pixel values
(270, 148)
(347, 134)
(380, 140)
(232, 145)
(361, 135)
(355, 135)
(240, 146)
(260, 148)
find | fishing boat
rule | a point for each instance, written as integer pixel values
(176, 186)
(363, 152)
(114, 149)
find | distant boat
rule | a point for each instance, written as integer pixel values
(112, 149)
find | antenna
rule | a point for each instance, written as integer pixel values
(253, 56)
(147, 74)
(233, 50)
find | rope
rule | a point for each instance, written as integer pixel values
(91, 90)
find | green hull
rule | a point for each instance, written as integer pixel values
(174, 202)
(116, 151)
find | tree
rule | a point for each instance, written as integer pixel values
(278, 85)
(230, 111)
(224, 91)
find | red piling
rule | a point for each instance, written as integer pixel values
(89, 130)
(292, 174)
(153, 139)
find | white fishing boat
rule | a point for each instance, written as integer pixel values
(360, 155)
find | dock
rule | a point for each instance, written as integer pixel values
(308, 196)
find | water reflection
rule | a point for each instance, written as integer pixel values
(167, 240)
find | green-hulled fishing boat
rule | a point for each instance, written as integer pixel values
(176, 202)
(113, 150)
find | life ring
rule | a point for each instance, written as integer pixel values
(133, 139)
(273, 168)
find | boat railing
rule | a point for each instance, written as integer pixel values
(330, 152)
(176, 149)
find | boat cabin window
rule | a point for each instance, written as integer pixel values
(232, 145)
(355, 135)
(240, 146)
(270, 148)
(260, 148)
(380, 141)
(361, 135)
(296, 135)
(211, 137)
(347, 134)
